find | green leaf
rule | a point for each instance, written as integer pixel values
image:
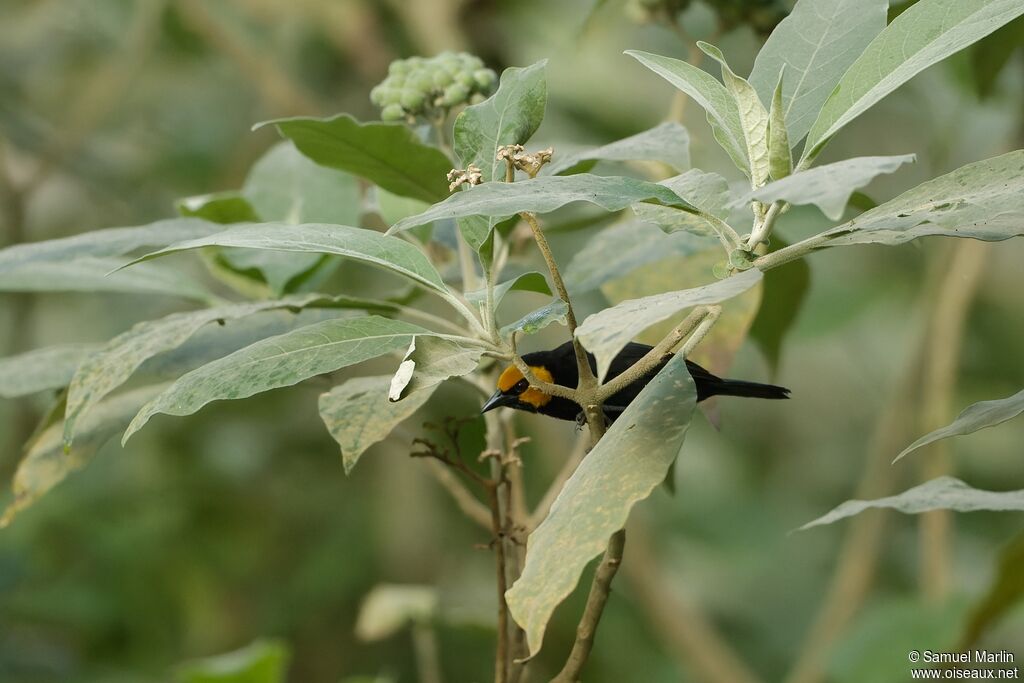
(110, 366)
(356, 243)
(263, 661)
(828, 187)
(541, 195)
(983, 200)
(41, 369)
(46, 463)
(784, 292)
(624, 467)
(104, 243)
(526, 282)
(90, 274)
(624, 247)
(430, 361)
(780, 159)
(943, 493)
(605, 333)
(280, 361)
(753, 117)
(667, 142)
(358, 414)
(510, 116)
(709, 93)
(386, 154)
(816, 44)
(974, 417)
(219, 207)
(535, 321)
(389, 608)
(926, 33)
(1003, 594)
(707, 192)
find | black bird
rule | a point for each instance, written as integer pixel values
(558, 366)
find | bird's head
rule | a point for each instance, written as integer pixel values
(514, 391)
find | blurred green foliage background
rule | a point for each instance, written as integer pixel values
(210, 532)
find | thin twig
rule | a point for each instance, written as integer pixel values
(463, 497)
(501, 658)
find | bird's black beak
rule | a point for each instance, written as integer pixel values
(497, 400)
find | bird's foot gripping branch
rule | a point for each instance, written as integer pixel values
(452, 208)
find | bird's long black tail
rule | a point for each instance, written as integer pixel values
(736, 387)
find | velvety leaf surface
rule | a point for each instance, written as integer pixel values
(526, 282)
(430, 361)
(973, 418)
(358, 414)
(280, 361)
(96, 274)
(535, 321)
(50, 367)
(625, 466)
(667, 142)
(943, 493)
(707, 192)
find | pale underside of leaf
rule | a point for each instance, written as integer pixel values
(42, 369)
(95, 274)
(974, 417)
(667, 142)
(430, 361)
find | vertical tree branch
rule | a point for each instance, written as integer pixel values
(501, 658)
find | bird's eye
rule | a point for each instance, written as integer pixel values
(521, 386)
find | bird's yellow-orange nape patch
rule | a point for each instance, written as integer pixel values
(535, 397)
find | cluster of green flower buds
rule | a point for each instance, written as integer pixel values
(421, 86)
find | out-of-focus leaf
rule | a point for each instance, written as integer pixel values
(541, 195)
(926, 33)
(527, 282)
(784, 291)
(386, 154)
(710, 94)
(280, 361)
(753, 116)
(828, 187)
(942, 493)
(535, 321)
(263, 661)
(46, 463)
(430, 361)
(89, 274)
(605, 333)
(1003, 594)
(623, 248)
(358, 414)
(42, 369)
(110, 366)
(816, 43)
(389, 608)
(624, 467)
(973, 418)
(721, 343)
(708, 192)
(667, 142)
(219, 207)
(780, 158)
(355, 243)
(989, 56)
(104, 243)
(983, 200)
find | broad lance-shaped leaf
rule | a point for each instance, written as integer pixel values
(623, 468)
(541, 195)
(42, 369)
(707, 192)
(46, 463)
(635, 244)
(780, 158)
(828, 187)
(92, 274)
(535, 321)
(926, 33)
(280, 361)
(386, 154)
(430, 361)
(943, 493)
(104, 243)
(112, 365)
(973, 418)
(710, 94)
(983, 200)
(816, 43)
(526, 282)
(355, 243)
(667, 142)
(358, 414)
(753, 117)
(605, 333)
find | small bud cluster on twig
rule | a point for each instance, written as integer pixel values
(528, 162)
(472, 175)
